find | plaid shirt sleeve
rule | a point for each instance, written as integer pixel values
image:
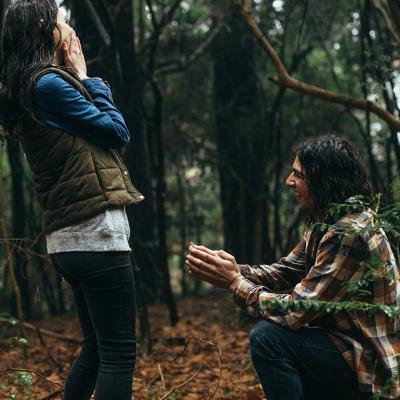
(280, 276)
(337, 261)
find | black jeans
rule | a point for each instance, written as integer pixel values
(104, 293)
(302, 364)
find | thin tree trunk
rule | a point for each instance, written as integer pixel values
(141, 217)
(182, 225)
(160, 201)
(18, 223)
(240, 134)
(365, 28)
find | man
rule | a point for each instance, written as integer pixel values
(311, 353)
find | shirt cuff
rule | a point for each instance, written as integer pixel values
(241, 288)
(245, 269)
(93, 84)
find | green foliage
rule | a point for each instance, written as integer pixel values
(23, 342)
(7, 318)
(374, 269)
(175, 396)
(21, 383)
(332, 307)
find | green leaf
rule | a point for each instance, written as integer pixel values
(7, 318)
(23, 341)
(24, 378)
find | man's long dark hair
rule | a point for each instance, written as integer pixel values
(334, 171)
(27, 44)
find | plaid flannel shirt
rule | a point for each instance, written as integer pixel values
(317, 269)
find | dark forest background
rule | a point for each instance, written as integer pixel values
(214, 119)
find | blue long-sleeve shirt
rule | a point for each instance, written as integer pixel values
(58, 104)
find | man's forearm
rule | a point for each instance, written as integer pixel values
(253, 274)
(281, 276)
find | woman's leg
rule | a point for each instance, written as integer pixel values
(82, 376)
(300, 365)
(106, 281)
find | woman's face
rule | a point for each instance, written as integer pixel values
(63, 32)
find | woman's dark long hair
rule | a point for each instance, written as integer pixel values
(334, 171)
(27, 44)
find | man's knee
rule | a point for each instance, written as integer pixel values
(265, 336)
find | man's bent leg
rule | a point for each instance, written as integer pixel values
(300, 365)
(278, 375)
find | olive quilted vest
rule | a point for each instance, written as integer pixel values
(74, 179)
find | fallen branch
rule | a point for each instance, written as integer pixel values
(52, 395)
(182, 352)
(52, 359)
(161, 376)
(46, 332)
(219, 365)
(284, 78)
(219, 360)
(5, 371)
(173, 390)
(189, 340)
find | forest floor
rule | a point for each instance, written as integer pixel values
(206, 353)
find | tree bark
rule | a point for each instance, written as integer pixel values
(156, 131)
(142, 217)
(120, 67)
(240, 135)
(18, 224)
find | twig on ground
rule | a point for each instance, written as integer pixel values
(182, 352)
(5, 371)
(189, 340)
(52, 395)
(46, 332)
(53, 360)
(161, 376)
(219, 365)
(173, 390)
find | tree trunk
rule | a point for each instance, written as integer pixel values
(137, 156)
(240, 138)
(181, 194)
(128, 95)
(155, 130)
(18, 224)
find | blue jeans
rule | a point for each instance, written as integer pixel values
(104, 294)
(302, 364)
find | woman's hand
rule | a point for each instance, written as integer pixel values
(214, 266)
(74, 58)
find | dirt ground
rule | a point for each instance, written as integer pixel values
(204, 356)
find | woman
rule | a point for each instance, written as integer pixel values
(70, 129)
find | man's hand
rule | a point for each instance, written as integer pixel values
(214, 266)
(74, 58)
